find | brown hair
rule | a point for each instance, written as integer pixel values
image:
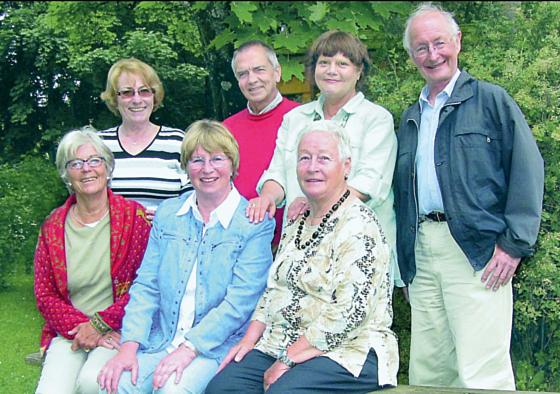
(332, 42)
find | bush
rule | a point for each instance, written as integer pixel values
(29, 190)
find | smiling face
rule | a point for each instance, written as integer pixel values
(336, 76)
(320, 170)
(211, 180)
(88, 181)
(135, 109)
(257, 78)
(434, 49)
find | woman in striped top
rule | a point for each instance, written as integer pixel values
(147, 156)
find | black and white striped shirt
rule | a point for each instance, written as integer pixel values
(153, 174)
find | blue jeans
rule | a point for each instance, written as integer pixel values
(194, 380)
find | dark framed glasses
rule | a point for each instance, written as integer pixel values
(144, 92)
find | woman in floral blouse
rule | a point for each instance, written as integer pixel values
(322, 324)
(86, 259)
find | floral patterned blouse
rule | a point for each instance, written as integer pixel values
(335, 292)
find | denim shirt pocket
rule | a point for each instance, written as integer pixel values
(223, 256)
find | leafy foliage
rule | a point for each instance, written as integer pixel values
(53, 68)
(30, 189)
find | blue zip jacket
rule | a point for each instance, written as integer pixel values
(231, 274)
(489, 170)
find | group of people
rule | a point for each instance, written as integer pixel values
(172, 267)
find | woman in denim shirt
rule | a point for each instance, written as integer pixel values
(203, 272)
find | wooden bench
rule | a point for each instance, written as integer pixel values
(402, 389)
(35, 359)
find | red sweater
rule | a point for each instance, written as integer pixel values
(256, 136)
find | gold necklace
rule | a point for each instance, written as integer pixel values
(77, 219)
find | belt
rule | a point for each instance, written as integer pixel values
(434, 217)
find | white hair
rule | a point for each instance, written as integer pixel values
(333, 128)
(69, 145)
(270, 54)
(426, 8)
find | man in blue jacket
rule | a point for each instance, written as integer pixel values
(468, 193)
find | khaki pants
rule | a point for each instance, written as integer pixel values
(68, 372)
(460, 330)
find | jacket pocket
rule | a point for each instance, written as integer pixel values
(477, 158)
(478, 139)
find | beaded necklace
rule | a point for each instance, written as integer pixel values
(322, 225)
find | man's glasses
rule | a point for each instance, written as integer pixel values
(78, 164)
(144, 92)
(196, 163)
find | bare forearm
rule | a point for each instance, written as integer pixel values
(254, 332)
(273, 190)
(301, 350)
(363, 197)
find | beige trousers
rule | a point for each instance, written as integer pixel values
(461, 331)
(68, 372)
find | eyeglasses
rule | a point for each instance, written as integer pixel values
(196, 163)
(144, 92)
(78, 164)
(424, 49)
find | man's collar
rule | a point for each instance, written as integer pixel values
(448, 90)
(273, 104)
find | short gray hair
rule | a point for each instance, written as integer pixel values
(70, 143)
(426, 8)
(333, 128)
(270, 54)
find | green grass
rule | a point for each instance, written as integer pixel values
(20, 329)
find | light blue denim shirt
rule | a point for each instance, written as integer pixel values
(231, 275)
(429, 192)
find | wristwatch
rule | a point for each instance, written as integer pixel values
(284, 359)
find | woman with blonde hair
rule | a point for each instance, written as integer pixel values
(203, 273)
(147, 167)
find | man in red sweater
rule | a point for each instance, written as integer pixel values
(257, 70)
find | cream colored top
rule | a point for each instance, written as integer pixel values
(336, 293)
(88, 261)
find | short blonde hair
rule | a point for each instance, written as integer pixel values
(70, 143)
(212, 136)
(135, 67)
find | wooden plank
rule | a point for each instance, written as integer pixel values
(402, 389)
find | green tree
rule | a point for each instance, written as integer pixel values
(55, 58)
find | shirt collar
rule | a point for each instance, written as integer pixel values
(273, 104)
(350, 107)
(447, 90)
(223, 213)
